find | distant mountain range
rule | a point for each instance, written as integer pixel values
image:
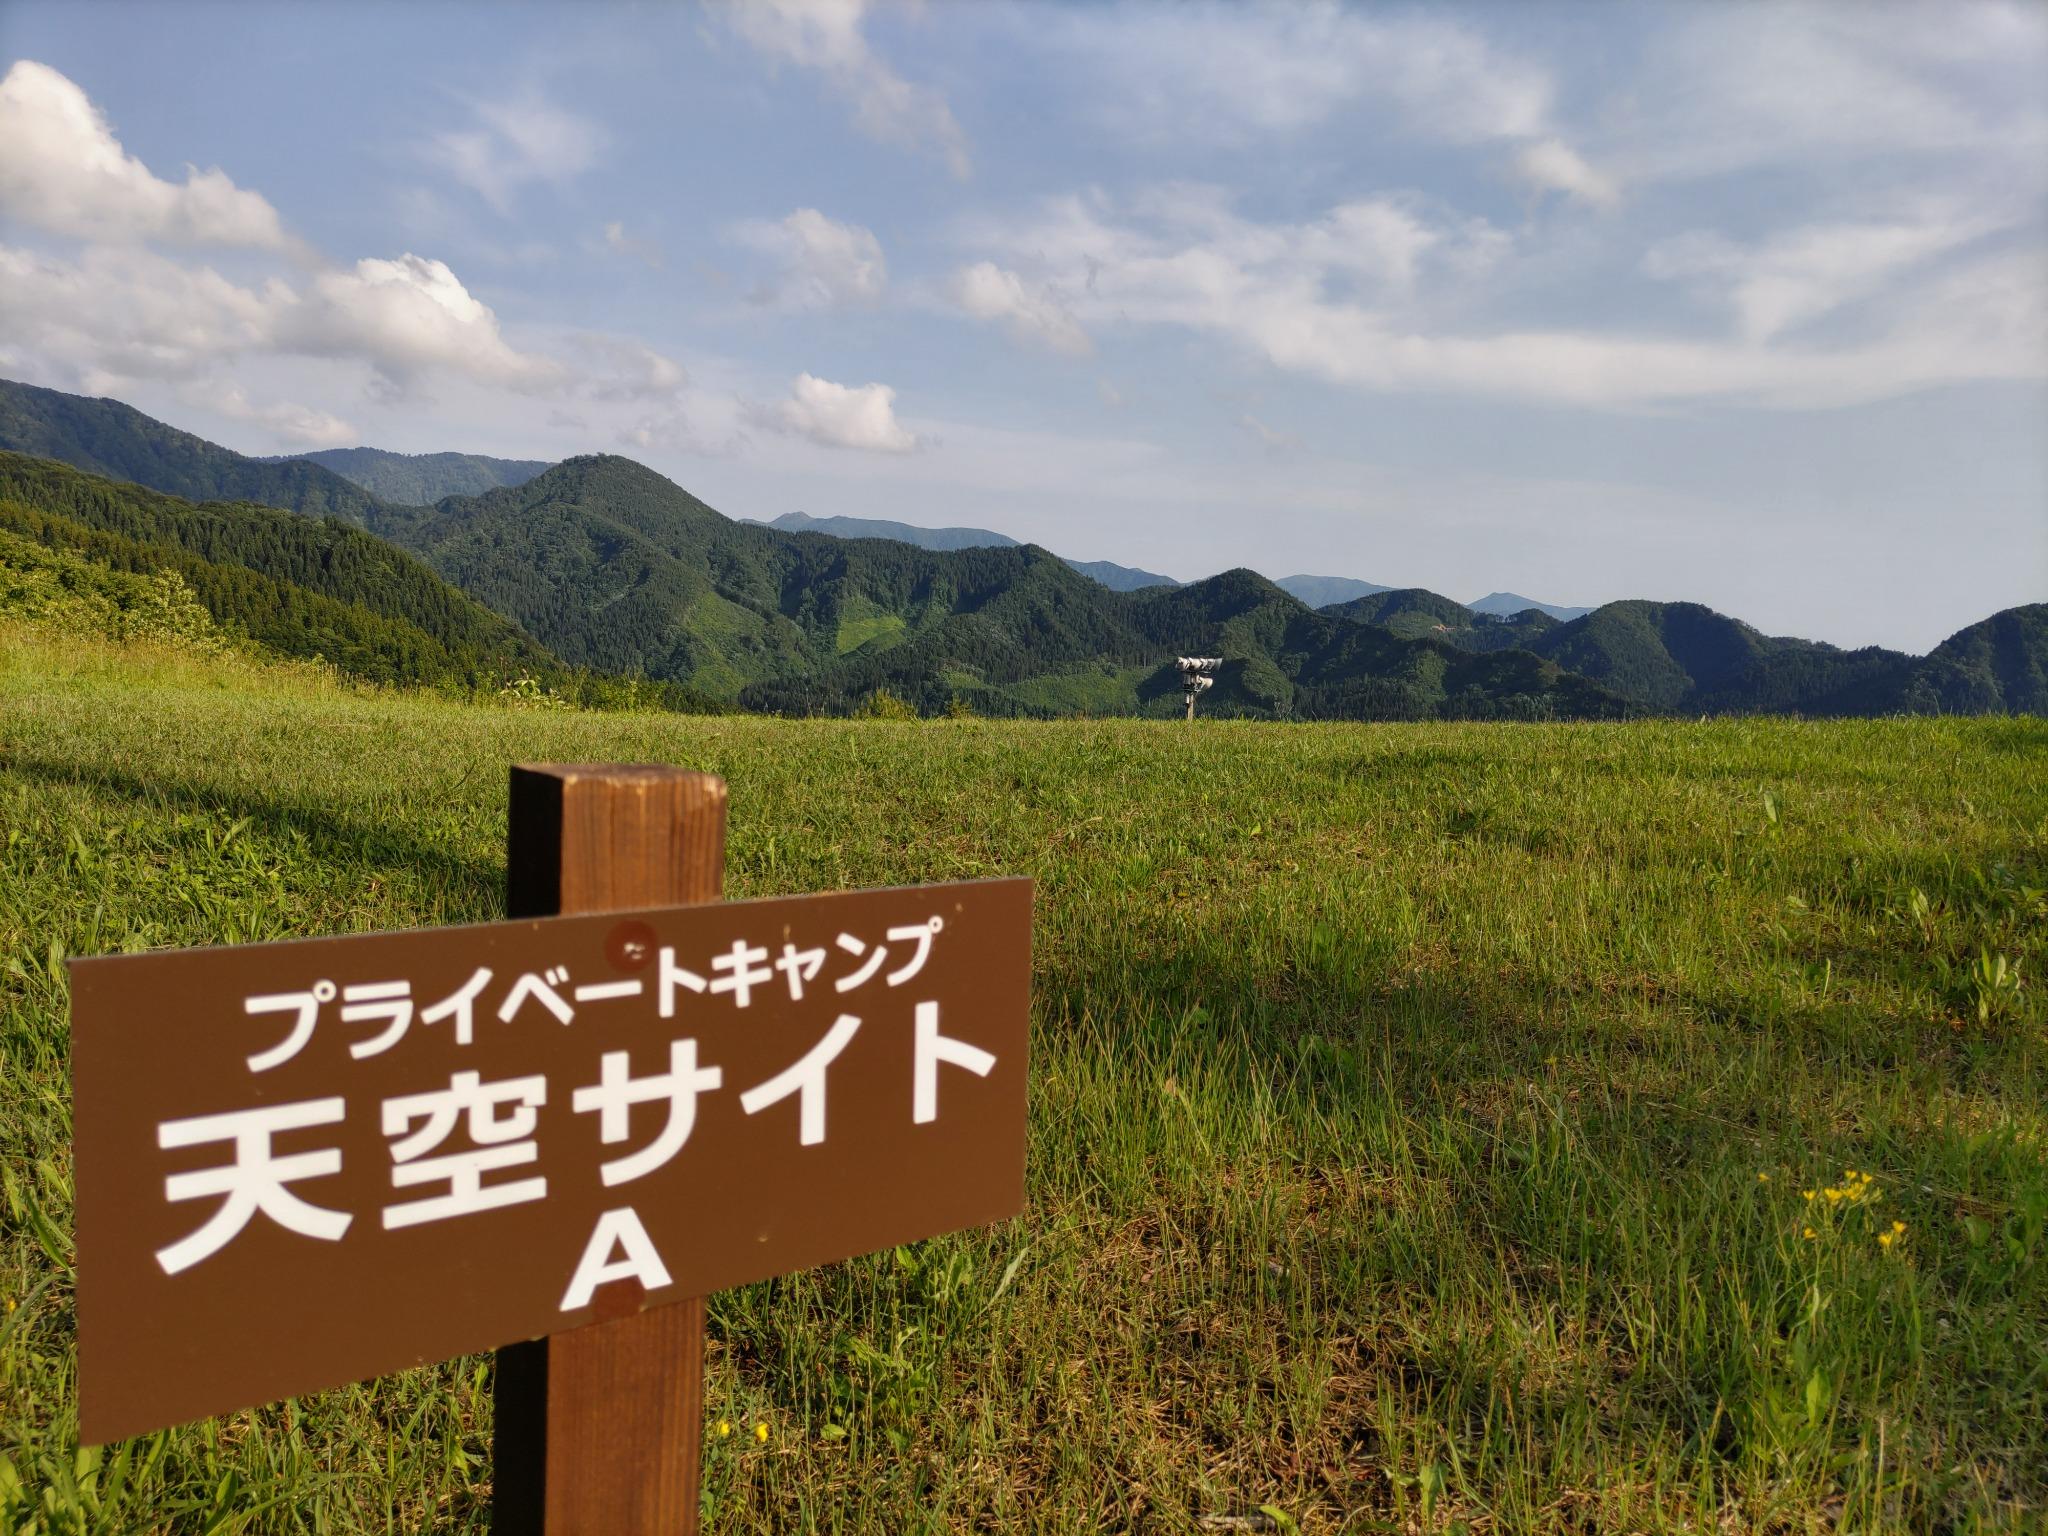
(1118, 578)
(1327, 591)
(415, 479)
(1507, 604)
(598, 567)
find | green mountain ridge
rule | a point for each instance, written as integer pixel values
(416, 479)
(298, 585)
(106, 437)
(615, 567)
(617, 571)
(1118, 578)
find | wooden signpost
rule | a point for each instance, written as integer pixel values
(305, 1163)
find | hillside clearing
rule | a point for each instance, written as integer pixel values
(1421, 1113)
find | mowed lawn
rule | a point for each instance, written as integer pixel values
(1434, 1127)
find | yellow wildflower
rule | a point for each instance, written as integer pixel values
(761, 1433)
(1809, 1232)
(724, 1428)
(1763, 1178)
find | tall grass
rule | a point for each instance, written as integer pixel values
(1422, 1116)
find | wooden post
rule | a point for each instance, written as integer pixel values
(600, 1430)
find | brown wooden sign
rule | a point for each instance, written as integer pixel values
(305, 1163)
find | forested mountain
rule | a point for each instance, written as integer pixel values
(1409, 611)
(105, 437)
(1682, 656)
(1326, 591)
(615, 567)
(622, 574)
(1118, 578)
(1999, 665)
(298, 585)
(414, 479)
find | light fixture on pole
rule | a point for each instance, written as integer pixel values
(1197, 676)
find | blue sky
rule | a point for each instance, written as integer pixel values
(1741, 304)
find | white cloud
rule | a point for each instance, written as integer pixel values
(1731, 87)
(825, 35)
(1358, 298)
(125, 313)
(822, 264)
(1803, 273)
(1550, 165)
(130, 313)
(1033, 313)
(515, 143)
(840, 416)
(406, 317)
(297, 426)
(63, 170)
(626, 369)
(637, 246)
(1275, 442)
(1220, 70)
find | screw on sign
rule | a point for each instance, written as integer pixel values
(559, 1132)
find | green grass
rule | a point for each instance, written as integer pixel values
(1420, 1114)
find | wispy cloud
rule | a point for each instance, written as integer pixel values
(638, 247)
(1353, 298)
(510, 144)
(826, 36)
(820, 263)
(1550, 165)
(1033, 312)
(300, 426)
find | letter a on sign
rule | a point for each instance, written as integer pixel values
(615, 1229)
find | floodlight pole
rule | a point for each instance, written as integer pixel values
(1197, 676)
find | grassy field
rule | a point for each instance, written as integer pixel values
(1434, 1127)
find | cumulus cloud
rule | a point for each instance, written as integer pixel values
(840, 416)
(1033, 313)
(1551, 165)
(407, 316)
(514, 143)
(130, 313)
(122, 312)
(63, 170)
(826, 36)
(821, 263)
